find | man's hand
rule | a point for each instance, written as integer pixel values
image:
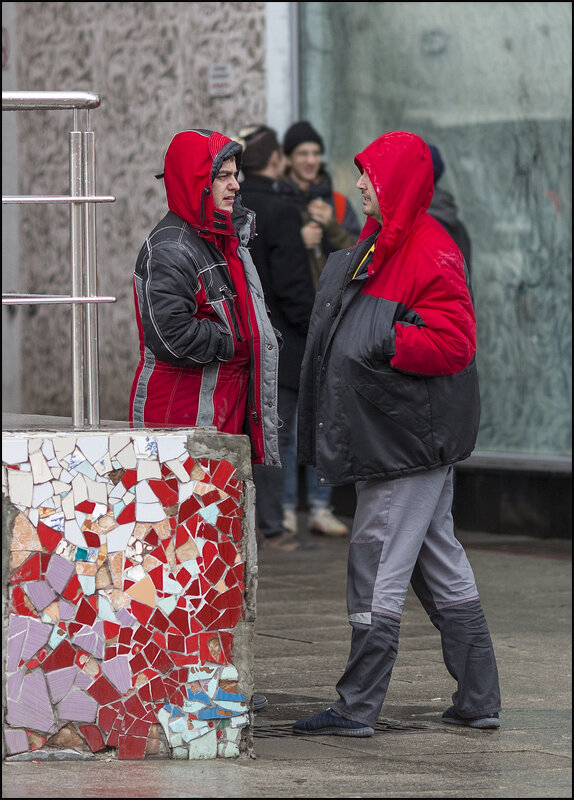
(320, 212)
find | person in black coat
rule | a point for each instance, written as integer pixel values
(444, 209)
(280, 257)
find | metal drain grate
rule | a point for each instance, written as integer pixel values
(383, 726)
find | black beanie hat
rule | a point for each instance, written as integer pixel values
(437, 162)
(298, 133)
(258, 142)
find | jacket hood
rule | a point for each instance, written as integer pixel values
(192, 161)
(399, 165)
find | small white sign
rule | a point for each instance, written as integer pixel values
(219, 80)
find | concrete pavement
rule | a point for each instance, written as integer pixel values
(302, 640)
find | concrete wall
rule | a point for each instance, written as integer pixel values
(152, 65)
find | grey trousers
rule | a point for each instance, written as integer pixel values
(403, 532)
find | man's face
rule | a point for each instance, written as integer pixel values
(371, 206)
(225, 185)
(305, 161)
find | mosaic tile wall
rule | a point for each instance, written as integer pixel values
(126, 589)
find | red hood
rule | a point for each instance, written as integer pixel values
(399, 166)
(192, 160)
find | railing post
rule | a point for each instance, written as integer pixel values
(76, 245)
(90, 260)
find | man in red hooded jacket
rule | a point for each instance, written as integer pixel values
(389, 401)
(208, 351)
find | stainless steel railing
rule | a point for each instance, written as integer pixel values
(82, 199)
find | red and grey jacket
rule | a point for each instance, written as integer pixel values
(208, 351)
(388, 381)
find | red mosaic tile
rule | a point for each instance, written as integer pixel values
(85, 613)
(211, 497)
(181, 659)
(134, 706)
(145, 693)
(93, 737)
(141, 612)
(142, 635)
(128, 514)
(73, 590)
(111, 629)
(205, 653)
(74, 627)
(232, 598)
(227, 508)
(177, 698)
(215, 571)
(159, 553)
(163, 662)
(150, 651)
(92, 539)
(156, 574)
(113, 738)
(86, 506)
(159, 621)
(160, 639)
(189, 464)
(103, 691)
(222, 473)
(188, 508)
(228, 552)
(130, 478)
(63, 656)
(158, 690)
(236, 529)
(176, 641)
(151, 537)
(165, 493)
(224, 525)
(93, 600)
(206, 616)
(137, 663)
(138, 727)
(110, 652)
(180, 619)
(28, 571)
(181, 535)
(239, 571)
(195, 625)
(48, 536)
(132, 748)
(207, 531)
(226, 640)
(235, 489)
(125, 635)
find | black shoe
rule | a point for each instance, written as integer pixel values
(329, 722)
(259, 702)
(486, 721)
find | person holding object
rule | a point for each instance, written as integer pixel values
(281, 261)
(329, 223)
(389, 401)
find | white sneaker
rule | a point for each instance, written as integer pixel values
(325, 522)
(290, 520)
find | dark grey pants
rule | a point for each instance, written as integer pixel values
(403, 532)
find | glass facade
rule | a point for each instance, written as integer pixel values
(490, 85)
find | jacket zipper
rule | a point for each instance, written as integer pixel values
(228, 295)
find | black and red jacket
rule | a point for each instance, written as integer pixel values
(208, 351)
(388, 382)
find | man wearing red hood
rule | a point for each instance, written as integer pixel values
(389, 401)
(208, 352)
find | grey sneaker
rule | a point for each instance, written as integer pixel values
(284, 542)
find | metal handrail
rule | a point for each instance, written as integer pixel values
(82, 200)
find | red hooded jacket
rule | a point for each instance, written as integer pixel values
(388, 382)
(208, 352)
